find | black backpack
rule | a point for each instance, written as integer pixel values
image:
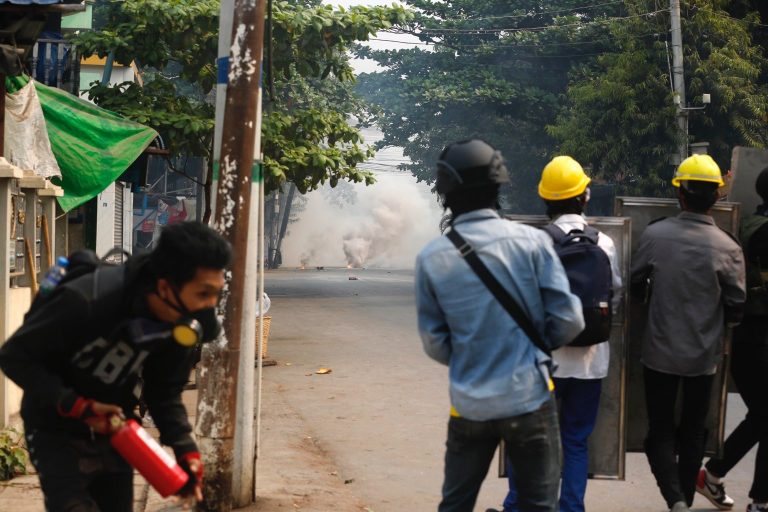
(108, 282)
(589, 274)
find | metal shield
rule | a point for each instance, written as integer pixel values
(746, 164)
(607, 443)
(643, 210)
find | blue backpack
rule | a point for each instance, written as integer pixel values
(589, 274)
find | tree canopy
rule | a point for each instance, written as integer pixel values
(307, 136)
(588, 79)
(620, 117)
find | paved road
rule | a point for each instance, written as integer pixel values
(380, 416)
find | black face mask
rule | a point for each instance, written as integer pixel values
(209, 321)
(193, 327)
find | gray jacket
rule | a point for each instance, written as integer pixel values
(697, 269)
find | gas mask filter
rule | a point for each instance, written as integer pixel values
(193, 327)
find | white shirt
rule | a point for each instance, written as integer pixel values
(588, 362)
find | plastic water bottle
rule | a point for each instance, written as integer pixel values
(54, 276)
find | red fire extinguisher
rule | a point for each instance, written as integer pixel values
(148, 458)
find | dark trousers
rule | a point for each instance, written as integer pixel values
(80, 474)
(533, 448)
(749, 367)
(579, 403)
(675, 452)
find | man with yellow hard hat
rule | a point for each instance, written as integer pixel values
(589, 259)
(698, 286)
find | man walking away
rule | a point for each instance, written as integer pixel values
(590, 261)
(697, 285)
(499, 380)
(748, 367)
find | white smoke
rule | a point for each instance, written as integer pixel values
(384, 225)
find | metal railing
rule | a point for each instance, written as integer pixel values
(55, 62)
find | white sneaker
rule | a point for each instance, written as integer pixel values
(715, 493)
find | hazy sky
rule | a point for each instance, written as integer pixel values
(365, 66)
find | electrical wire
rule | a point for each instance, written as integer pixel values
(726, 16)
(543, 13)
(513, 45)
(426, 31)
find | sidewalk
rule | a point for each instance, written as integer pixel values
(293, 472)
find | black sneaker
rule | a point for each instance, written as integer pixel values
(715, 493)
(756, 508)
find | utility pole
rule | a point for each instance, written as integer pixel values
(679, 79)
(217, 418)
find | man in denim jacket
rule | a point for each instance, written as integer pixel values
(500, 385)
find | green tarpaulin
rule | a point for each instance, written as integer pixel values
(92, 146)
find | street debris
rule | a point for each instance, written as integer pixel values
(349, 480)
(323, 371)
(352, 278)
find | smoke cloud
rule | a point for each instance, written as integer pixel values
(383, 225)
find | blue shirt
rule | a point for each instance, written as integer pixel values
(495, 370)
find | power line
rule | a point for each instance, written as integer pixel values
(726, 16)
(514, 45)
(544, 13)
(531, 29)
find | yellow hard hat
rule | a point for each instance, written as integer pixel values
(698, 168)
(562, 178)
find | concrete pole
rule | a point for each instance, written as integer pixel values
(679, 78)
(244, 478)
(222, 65)
(217, 399)
(259, 190)
(2, 115)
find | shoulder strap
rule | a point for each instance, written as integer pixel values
(498, 291)
(559, 236)
(591, 232)
(108, 288)
(555, 232)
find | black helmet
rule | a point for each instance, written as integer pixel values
(469, 164)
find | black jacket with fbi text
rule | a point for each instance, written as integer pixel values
(95, 337)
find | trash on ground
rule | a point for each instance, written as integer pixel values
(323, 371)
(353, 278)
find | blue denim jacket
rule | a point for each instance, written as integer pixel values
(495, 371)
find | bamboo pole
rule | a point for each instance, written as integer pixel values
(46, 241)
(30, 257)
